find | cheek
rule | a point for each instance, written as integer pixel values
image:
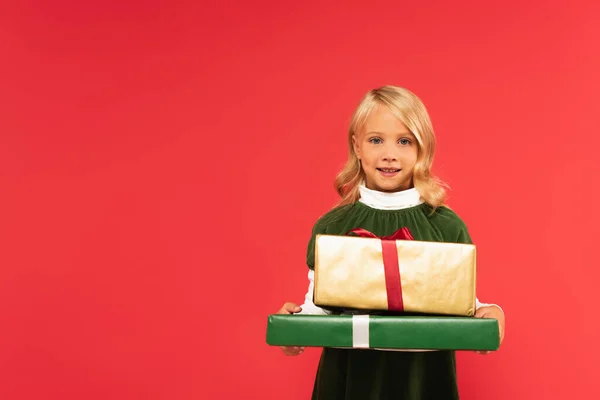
(410, 157)
(409, 163)
(364, 154)
(371, 158)
(414, 156)
(414, 159)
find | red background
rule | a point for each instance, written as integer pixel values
(162, 164)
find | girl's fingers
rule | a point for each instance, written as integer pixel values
(293, 351)
(292, 308)
(289, 308)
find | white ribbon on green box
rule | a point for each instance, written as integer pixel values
(360, 331)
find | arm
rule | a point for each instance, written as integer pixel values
(464, 237)
(308, 307)
(484, 310)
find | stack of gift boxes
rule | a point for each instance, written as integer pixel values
(391, 293)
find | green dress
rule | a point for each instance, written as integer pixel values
(364, 374)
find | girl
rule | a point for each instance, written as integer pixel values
(387, 184)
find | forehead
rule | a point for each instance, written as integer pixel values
(382, 120)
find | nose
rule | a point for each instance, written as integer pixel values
(390, 153)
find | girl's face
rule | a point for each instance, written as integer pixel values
(387, 151)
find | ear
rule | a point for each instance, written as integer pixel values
(355, 146)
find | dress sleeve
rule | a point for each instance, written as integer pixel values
(318, 228)
(308, 307)
(464, 237)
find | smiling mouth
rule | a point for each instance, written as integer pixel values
(388, 170)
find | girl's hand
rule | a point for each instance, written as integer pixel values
(290, 308)
(492, 312)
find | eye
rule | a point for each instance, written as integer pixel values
(375, 140)
(405, 142)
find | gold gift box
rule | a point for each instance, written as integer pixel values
(436, 277)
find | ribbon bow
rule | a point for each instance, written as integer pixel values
(391, 267)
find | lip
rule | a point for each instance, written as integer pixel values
(389, 172)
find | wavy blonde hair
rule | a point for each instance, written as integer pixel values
(412, 112)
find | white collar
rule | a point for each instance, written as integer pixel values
(389, 201)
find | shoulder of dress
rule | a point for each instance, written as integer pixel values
(447, 220)
(331, 217)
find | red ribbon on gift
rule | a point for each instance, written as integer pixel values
(391, 267)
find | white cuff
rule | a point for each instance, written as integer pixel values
(479, 304)
(309, 307)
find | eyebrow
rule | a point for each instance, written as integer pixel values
(409, 133)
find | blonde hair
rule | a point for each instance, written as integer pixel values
(412, 112)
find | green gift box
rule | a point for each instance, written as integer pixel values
(385, 332)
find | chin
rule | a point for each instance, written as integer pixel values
(390, 188)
